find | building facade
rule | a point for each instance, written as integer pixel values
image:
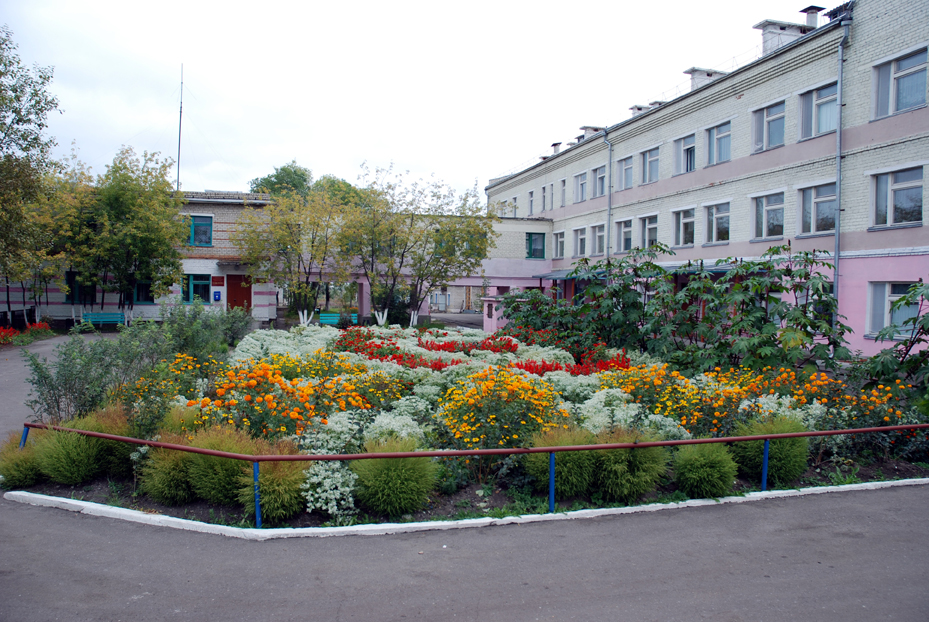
(747, 160)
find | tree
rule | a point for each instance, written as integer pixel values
(24, 151)
(290, 177)
(291, 242)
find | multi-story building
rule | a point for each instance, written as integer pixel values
(747, 160)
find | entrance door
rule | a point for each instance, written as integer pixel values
(238, 291)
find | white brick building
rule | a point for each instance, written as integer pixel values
(747, 160)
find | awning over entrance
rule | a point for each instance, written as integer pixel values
(556, 275)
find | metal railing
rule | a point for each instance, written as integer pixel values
(448, 453)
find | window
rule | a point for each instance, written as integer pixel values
(551, 193)
(883, 295)
(717, 223)
(564, 192)
(718, 140)
(559, 244)
(143, 294)
(201, 231)
(531, 202)
(684, 227)
(599, 239)
(769, 215)
(817, 211)
(819, 111)
(535, 246)
(769, 127)
(580, 187)
(600, 181)
(580, 242)
(650, 166)
(685, 154)
(624, 236)
(513, 205)
(543, 198)
(625, 173)
(901, 84)
(649, 231)
(194, 286)
(898, 197)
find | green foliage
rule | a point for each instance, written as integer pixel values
(19, 468)
(165, 475)
(704, 471)
(68, 457)
(786, 456)
(113, 455)
(280, 485)
(290, 177)
(909, 358)
(394, 486)
(217, 479)
(574, 470)
(627, 474)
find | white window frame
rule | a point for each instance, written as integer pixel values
(580, 187)
(651, 156)
(598, 239)
(625, 166)
(889, 67)
(762, 119)
(599, 178)
(645, 226)
(531, 201)
(580, 242)
(680, 219)
(712, 216)
(544, 197)
(558, 244)
(810, 196)
(564, 191)
(882, 297)
(515, 205)
(891, 188)
(812, 104)
(713, 138)
(622, 226)
(764, 233)
(684, 147)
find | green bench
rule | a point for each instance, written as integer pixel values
(104, 318)
(331, 319)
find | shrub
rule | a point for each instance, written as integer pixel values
(178, 420)
(113, 455)
(217, 479)
(19, 468)
(165, 474)
(704, 471)
(627, 474)
(573, 469)
(394, 486)
(279, 482)
(786, 456)
(68, 457)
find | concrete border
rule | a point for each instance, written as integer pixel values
(135, 516)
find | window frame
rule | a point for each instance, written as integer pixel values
(713, 138)
(625, 167)
(648, 222)
(598, 239)
(766, 207)
(194, 225)
(564, 192)
(647, 161)
(580, 187)
(893, 74)
(681, 158)
(189, 283)
(138, 299)
(543, 197)
(679, 222)
(713, 216)
(762, 119)
(531, 201)
(558, 244)
(891, 188)
(532, 248)
(580, 242)
(811, 108)
(882, 303)
(623, 226)
(514, 205)
(809, 194)
(599, 179)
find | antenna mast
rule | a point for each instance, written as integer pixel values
(179, 120)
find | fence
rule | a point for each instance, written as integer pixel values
(446, 453)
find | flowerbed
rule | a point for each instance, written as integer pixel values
(33, 332)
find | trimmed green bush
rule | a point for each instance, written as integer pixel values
(704, 471)
(574, 470)
(217, 479)
(165, 473)
(178, 420)
(68, 457)
(280, 484)
(786, 456)
(627, 474)
(394, 486)
(114, 455)
(19, 467)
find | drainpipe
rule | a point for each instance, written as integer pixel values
(846, 22)
(609, 195)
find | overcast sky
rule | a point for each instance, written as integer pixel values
(466, 91)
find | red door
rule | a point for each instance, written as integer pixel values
(238, 291)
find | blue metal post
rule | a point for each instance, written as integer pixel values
(22, 442)
(764, 466)
(257, 498)
(551, 482)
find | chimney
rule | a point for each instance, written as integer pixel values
(812, 15)
(590, 130)
(775, 34)
(556, 148)
(700, 76)
(638, 109)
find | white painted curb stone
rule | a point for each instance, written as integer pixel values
(135, 516)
